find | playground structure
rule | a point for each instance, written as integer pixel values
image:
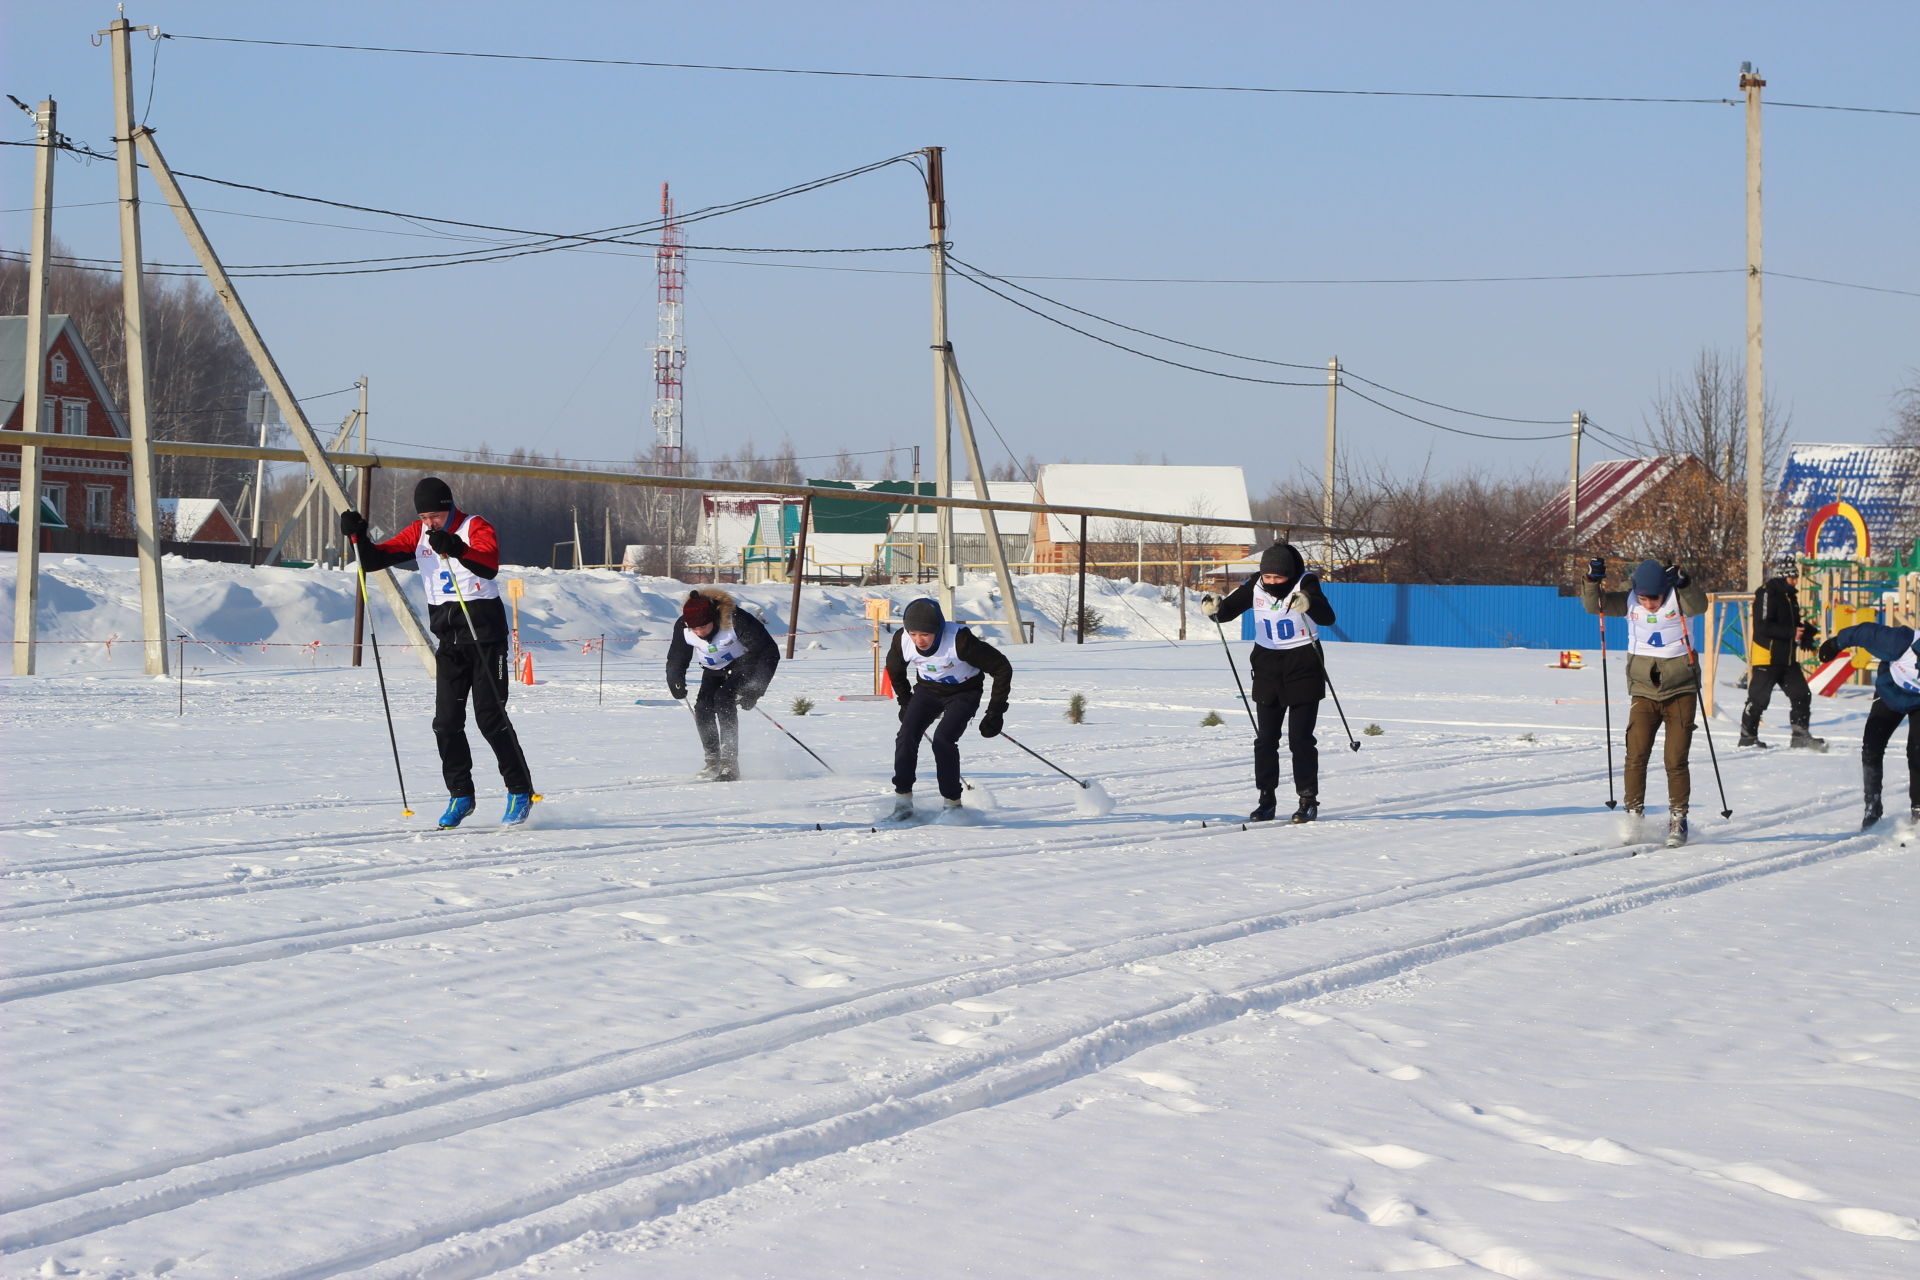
(1834, 593)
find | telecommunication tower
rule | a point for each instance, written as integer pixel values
(670, 348)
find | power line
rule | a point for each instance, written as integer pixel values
(1592, 275)
(1873, 288)
(1491, 417)
(1458, 431)
(1013, 80)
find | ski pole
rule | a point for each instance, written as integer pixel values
(1042, 759)
(1236, 674)
(796, 742)
(1606, 705)
(373, 638)
(1326, 675)
(461, 596)
(1699, 702)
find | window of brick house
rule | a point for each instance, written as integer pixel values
(57, 368)
(73, 417)
(55, 496)
(99, 506)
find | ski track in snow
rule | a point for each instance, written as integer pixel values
(549, 1154)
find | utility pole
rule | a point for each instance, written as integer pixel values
(942, 390)
(919, 548)
(1008, 604)
(26, 583)
(318, 465)
(1573, 483)
(1333, 405)
(153, 602)
(1751, 84)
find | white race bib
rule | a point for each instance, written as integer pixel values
(1656, 633)
(1905, 671)
(1277, 627)
(445, 578)
(717, 650)
(943, 665)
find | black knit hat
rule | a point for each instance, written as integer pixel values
(923, 615)
(1281, 558)
(432, 494)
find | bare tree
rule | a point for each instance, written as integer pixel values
(1905, 427)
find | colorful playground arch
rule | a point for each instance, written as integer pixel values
(1862, 543)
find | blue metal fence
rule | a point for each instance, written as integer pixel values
(1460, 617)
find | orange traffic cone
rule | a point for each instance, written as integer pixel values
(526, 666)
(886, 683)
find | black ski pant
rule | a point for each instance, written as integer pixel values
(1790, 680)
(1301, 745)
(1882, 720)
(953, 711)
(716, 714)
(479, 671)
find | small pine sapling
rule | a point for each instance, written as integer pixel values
(1373, 731)
(802, 705)
(1213, 718)
(1077, 708)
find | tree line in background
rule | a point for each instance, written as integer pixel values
(1422, 528)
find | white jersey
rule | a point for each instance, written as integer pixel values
(1277, 627)
(1656, 633)
(1905, 670)
(943, 665)
(445, 578)
(718, 650)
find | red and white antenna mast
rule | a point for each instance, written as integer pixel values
(670, 348)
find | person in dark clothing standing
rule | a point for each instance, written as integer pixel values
(1289, 674)
(953, 665)
(458, 557)
(737, 660)
(1777, 626)
(1896, 697)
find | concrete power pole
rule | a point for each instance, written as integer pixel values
(1573, 482)
(1751, 84)
(1009, 606)
(153, 602)
(26, 588)
(1333, 404)
(942, 390)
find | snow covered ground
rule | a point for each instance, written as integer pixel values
(256, 1023)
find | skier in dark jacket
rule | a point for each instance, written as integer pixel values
(458, 557)
(1896, 697)
(1289, 673)
(1662, 677)
(952, 665)
(1777, 626)
(737, 660)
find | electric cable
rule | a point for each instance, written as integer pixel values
(1458, 431)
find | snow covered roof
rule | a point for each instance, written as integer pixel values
(1882, 481)
(969, 521)
(10, 507)
(1607, 490)
(190, 516)
(1213, 493)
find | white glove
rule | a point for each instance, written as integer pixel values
(1209, 605)
(1297, 602)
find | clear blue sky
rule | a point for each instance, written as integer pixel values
(550, 351)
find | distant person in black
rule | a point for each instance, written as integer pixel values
(1777, 625)
(737, 660)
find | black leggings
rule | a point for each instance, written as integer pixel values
(1300, 719)
(716, 714)
(1882, 720)
(461, 670)
(953, 711)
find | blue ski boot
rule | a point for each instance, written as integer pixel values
(458, 807)
(519, 805)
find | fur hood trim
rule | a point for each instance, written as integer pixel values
(723, 603)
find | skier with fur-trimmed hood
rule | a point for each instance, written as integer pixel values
(1662, 677)
(737, 659)
(1289, 673)
(953, 666)
(1896, 697)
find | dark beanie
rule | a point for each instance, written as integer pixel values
(698, 611)
(432, 494)
(1281, 558)
(1649, 579)
(923, 615)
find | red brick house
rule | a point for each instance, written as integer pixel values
(89, 491)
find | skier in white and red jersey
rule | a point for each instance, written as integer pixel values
(458, 558)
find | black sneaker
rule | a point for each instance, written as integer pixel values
(1309, 809)
(1265, 810)
(1872, 816)
(1749, 739)
(1805, 741)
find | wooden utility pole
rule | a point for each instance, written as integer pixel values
(146, 531)
(1016, 634)
(799, 573)
(1080, 616)
(1180, 574)
(269, 371)
(26, 582)
(942, 388)
(1573, 483)
(1751, 84)
(1333, 406)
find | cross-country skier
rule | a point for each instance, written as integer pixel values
(458, 557)
(952, 665)
(1896, 696)
(737, 659)
(1777, 625)
(1289, 673)
(1661, 675)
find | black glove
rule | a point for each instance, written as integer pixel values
(991, 723)
(677, 688)
(353, 525)
(446, 544)
(903, 712)
(1677, 579)
(746, 701)
(1596, 570)
(1808, 635)
(1829, 649)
